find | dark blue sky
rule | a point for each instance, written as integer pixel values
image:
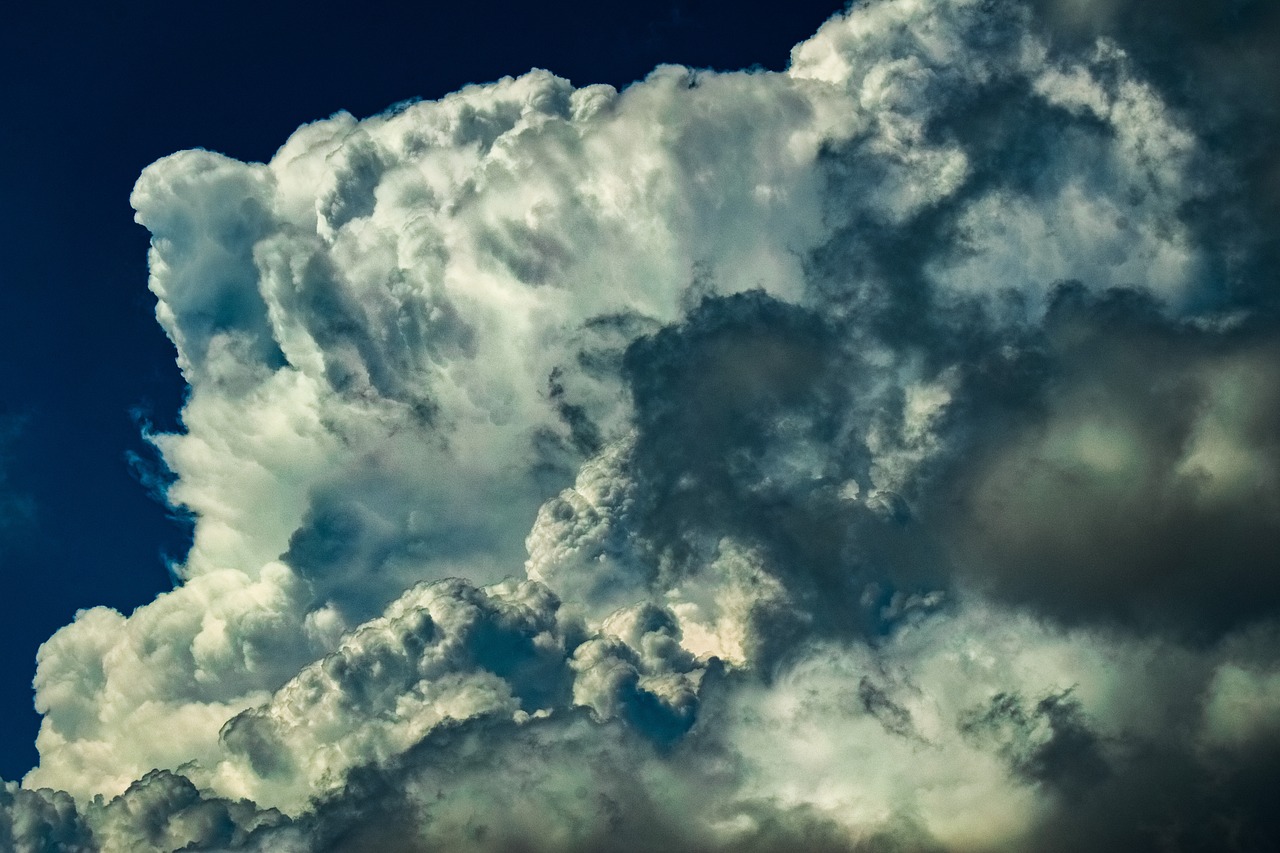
(95, 92)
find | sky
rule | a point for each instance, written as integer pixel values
(699, 427)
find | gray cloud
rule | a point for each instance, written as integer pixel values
(41, 820)
(1133, 477)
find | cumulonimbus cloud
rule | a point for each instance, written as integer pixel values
(879, 454)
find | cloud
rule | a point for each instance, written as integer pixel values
(443, 652)
(1140, 482)
(39, 820)
(162, 811)
(877, 455)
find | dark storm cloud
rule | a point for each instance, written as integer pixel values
(748, 422)
(1128, 471)
(1050, 744)
(1219, 64)
(1110, 465)
(1144, 795)
(876, 702)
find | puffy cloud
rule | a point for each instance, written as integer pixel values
(442, 653)
(164, 811)
(41, 820)
(890, 445)
(121, 696)
(160, 812)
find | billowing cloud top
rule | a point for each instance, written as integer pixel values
(879, 455)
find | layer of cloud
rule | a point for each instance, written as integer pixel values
(890, 446)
